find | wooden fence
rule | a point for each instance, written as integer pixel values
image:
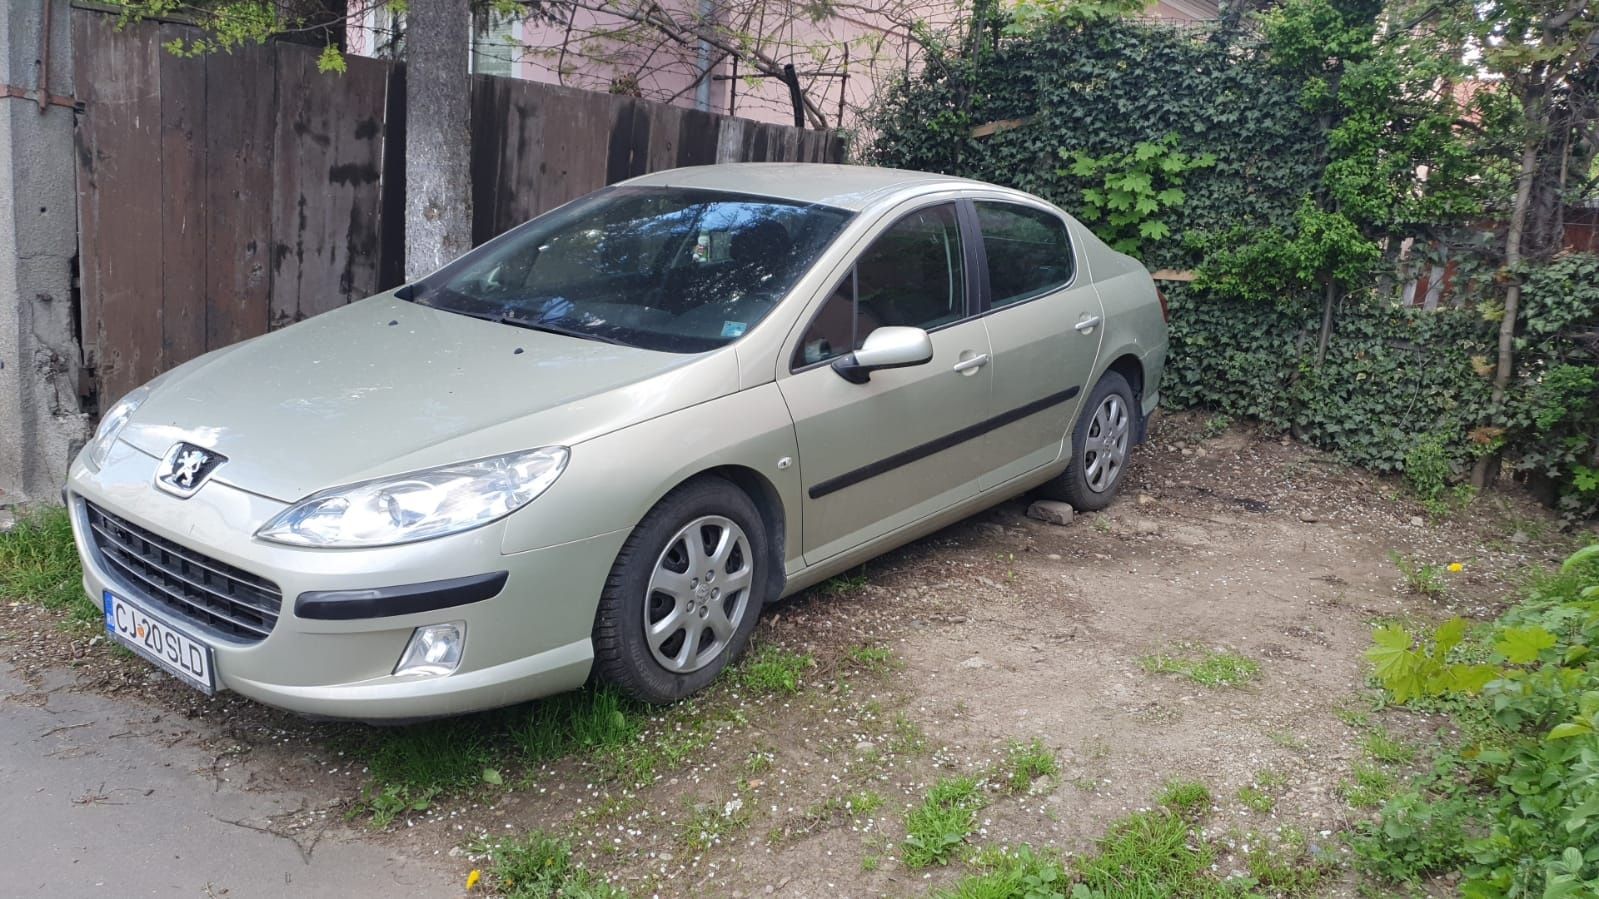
(223, 196)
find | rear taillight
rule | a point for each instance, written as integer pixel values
(1165, 311)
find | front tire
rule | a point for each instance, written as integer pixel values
(684, 593)
(1102, 442)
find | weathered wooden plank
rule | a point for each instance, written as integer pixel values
(240, 102)
(730, 139)
(491, 120)
(119, 158)
(327, 164)
(574, 123)
(666, 129)
(696, 142)
(628, 147)
(184, 247)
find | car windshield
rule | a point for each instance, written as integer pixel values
(671, 269)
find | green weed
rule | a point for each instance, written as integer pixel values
(1149, 855)
(1285, 866)
(847, 584)
(1187, 798)
(1023, 873)
(432, 756)
(873, 659)
(773, 669)
(1384, 747)
(39, 564)
(539, 866)
(709, 825)
(1370, 788)
(1209, 669)
(586, 721)
(383, 804)
(937, 827)
(1025, 763)
(1421, 578)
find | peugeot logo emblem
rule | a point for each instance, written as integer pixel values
(186, 468)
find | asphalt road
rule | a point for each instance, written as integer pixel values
(94, 803)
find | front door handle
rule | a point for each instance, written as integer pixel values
(1088, 324)
(974, 362)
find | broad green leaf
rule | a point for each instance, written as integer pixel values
(1568, 730)
(1171, 196)
(1470, 679)
(1449, 635)
(1391, 654)
(1581, 556)
(492, 776)
(1521, 645)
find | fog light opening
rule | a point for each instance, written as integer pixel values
(434, 650)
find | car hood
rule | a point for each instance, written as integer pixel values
(385, 386)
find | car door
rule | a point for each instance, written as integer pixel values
(878, 455)
(1044, 323)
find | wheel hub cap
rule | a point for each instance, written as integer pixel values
(1105, 448)
(698, 594)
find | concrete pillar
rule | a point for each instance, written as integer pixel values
(41, 425)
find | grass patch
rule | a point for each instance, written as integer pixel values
(709, 825)
(1187, 798)
(1386, 748)
(1025, 763)
(1421, 578)
(1371, 786)
(574, 723)
(937, 827)
(1149, 855)
(539, 866)
(1023, 873)
(1209, 669)
(1256, 799)
(39, 564)
(1285, 866)
(873, 659)
(847, 584)
(773, 669)
(433, 756)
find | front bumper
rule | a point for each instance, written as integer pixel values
(530, 640)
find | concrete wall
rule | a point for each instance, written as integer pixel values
(41, 427)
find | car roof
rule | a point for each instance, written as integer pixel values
(853, 187)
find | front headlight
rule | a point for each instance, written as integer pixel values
(112, 423)
(419, 505)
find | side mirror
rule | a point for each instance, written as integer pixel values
(886, 347)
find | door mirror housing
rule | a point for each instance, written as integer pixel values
(886, 347)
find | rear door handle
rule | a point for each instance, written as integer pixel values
(974, 362)
(1088, 324)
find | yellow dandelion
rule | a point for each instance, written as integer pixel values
(1456, 566)
(473, 878)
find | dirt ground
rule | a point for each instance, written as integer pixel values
(1002, 628)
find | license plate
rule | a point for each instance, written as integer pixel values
(161, 643)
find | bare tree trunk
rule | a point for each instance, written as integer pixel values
(1487, 468)
(438, 186)
(1328, 301)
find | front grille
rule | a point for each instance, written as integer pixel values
(192, 586)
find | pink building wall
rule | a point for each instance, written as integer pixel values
(841, 58)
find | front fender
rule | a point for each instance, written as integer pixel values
(613, 480)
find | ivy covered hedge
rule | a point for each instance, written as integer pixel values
(1204, 152)
(1393, 375)
(1102, 91)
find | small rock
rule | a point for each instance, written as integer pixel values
(1416, 521)
(1308, 517)
(455, 852)
(991, 529)
(1185, 450)
(1053, 557)
(1518, 537)
(976, 662)
(1145, 499)
(1051, 511)
(7, 521)
(865, 746)
(664, 856)
(1146, 528)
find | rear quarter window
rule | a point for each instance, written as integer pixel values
(1029, 252)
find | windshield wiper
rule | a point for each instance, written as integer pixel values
(557, 329)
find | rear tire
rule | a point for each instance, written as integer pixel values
(684, 594)
(1102, 445)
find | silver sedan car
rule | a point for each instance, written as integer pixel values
(597, 445)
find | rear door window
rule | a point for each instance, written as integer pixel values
(1029, 252)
